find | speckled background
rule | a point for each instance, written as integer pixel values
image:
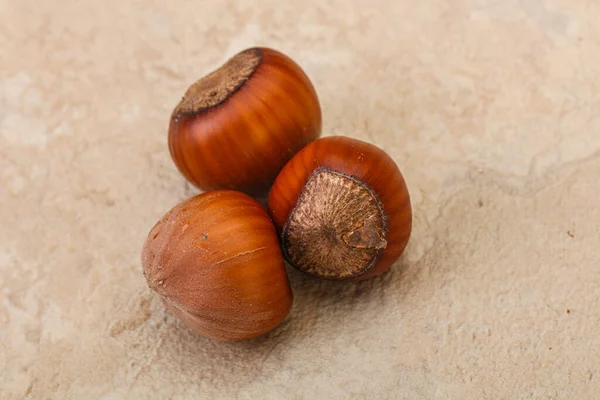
(490, 107)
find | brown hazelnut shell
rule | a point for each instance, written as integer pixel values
(372, 174)
(237, 127)
(215, 261)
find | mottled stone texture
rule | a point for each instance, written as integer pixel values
(490, 107)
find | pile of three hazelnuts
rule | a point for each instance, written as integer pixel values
(337, 208)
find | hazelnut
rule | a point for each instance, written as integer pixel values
(238, 126)
(215, 261)
(342, 209)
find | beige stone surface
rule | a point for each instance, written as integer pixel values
(490, 107)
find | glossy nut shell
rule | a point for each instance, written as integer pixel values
(216, 262)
